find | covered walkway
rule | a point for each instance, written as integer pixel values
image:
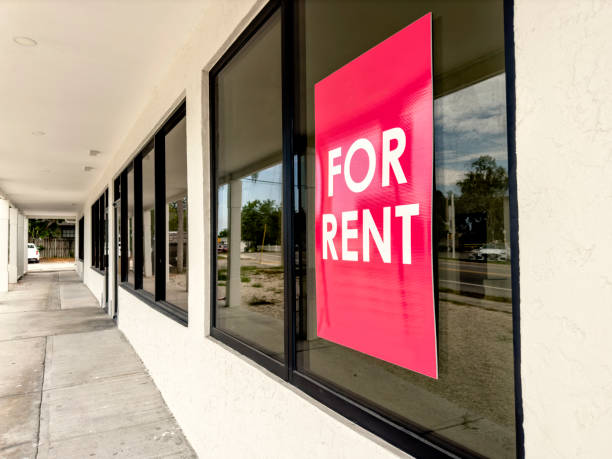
(72, 386)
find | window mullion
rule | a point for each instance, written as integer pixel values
(288, 114)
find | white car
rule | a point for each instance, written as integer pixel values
(33, 255)
(491, 251)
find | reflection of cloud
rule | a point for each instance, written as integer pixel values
(468, 124)
(472, 119)
(447, 177)
(446, 157)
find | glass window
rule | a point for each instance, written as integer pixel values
(117, 214)
(177, 280)
(249, 269)
(130, 226)
(472, 402)
(94, 234)
(148, 215)
(81, 237)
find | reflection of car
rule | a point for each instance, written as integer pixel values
(33, 255)
(490, 251)
(221, 247)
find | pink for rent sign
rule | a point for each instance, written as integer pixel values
(374, 172)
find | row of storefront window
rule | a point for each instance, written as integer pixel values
(99, 232)
(151, 219)
(263, 162)
(263, 191)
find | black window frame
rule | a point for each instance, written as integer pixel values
(81, 238)
(403, 436)
(156, 143)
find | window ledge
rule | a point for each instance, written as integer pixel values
(167, 309)
(98, 270)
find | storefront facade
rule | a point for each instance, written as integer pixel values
(186, 238)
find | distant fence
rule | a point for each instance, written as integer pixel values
(55, 247)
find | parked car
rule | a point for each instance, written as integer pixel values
(490, 251)
(33, 255)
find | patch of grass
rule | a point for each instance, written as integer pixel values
(258, 301)
(254, 270)
(257, 285)
(245, 279)
(248, 269)
(221, 284)
(222, 277)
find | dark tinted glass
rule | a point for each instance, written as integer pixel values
(130, 227)
(249, 177)
(176, 211)
(472, 403)
(81, 237)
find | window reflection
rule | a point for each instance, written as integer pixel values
(250, 302)
(250, 273)
(177, 279)
(472, 402)
(130, 226)
(148, 222)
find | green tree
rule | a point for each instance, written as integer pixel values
(43, 229)
(257, 215)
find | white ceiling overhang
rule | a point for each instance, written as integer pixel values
(95, 65)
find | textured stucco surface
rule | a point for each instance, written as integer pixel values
(564, 158)
(226, 405)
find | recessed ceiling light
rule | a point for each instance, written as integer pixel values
(87, 168)
(94, 152)
(38, 133)
(25, 41)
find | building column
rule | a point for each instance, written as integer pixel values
(26, 238)
(148, 266)
(4, 244)
(235, 239)
(12, 268)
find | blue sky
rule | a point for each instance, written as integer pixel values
(468, 124)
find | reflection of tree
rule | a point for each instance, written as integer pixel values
(440, 223)
(173, 215)
(259, 214)
(223, 233)
(482, 191)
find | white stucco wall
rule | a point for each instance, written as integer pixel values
(95, 282)
(564, 157)
(226, 404)
(214, 392)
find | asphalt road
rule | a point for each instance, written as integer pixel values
(474, 278)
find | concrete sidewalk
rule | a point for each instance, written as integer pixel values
(71, 386)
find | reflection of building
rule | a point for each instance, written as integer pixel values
(522, 338)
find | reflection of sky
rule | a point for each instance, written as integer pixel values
(265, 184)
(468, 124)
